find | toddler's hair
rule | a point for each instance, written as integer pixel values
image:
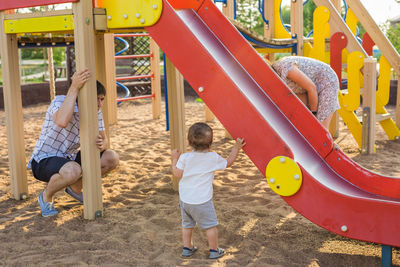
(200, 136)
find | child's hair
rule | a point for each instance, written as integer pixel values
(200, 136)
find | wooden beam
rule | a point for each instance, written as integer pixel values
(85, 58)
(39, 14)
(369, 106)
(176, 106)
(337, 4)
(269, 30)
(376, 34)
(110, 83)
(296, 20)
(398, 102)
(13, 112)
(52, 80)
(156, 79)
(209, 116)
(334, 125)
(228, 9)
(101, 74)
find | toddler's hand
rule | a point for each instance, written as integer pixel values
(175, 154)
(240, 143)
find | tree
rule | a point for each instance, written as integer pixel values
(247, 14)
(393, 34)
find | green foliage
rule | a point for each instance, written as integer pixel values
(393, 34)
(41, 53)
(248, 15)
(32, 53)
(308, 11)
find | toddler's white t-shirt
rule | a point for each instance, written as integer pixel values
(195, 187)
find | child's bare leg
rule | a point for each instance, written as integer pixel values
(327, 122)
(187, 237)
(212, 236)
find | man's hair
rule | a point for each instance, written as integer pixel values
(101, 90)
(200, 136)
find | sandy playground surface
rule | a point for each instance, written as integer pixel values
(141, 223)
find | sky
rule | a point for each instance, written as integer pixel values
(382, 10)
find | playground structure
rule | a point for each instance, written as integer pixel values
(199, 41)
(350, 57)
(147, 70)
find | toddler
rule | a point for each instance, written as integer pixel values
(197, 169)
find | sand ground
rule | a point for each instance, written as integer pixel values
(141, 222)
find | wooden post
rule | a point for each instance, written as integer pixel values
(369, 106)
(176, 106)
(88, 121)
(52, 81)
(337, 4)
(13, 112)
(208, 114)
(334, 125)
(229, 10)
(50, 67)
(155, 80)
(102, 78)
(296, 20)
(398, 102)
(110, 83)
(269, 30)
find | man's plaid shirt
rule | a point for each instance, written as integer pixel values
(57, 141)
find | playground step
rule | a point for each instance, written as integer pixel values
(382, 117)
(378, 117)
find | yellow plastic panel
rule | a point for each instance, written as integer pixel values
(355, 62)
(351, 121)
(351, 21)
(40, 24)
(384, 80)
(321, 31)
(382, 98)
(280, 31)
(284, 176)
(132, 14)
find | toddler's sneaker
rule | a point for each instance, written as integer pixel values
(47, 208)
(215, 254)
(188, 252)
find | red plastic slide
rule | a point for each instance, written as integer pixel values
(251, 101)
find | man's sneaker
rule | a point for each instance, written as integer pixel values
(215, 254)
(47, 208)
(72, 193)
(187, 252)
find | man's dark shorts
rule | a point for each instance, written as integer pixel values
(49, 166)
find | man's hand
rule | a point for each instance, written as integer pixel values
(100, 142)
(79, 79)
